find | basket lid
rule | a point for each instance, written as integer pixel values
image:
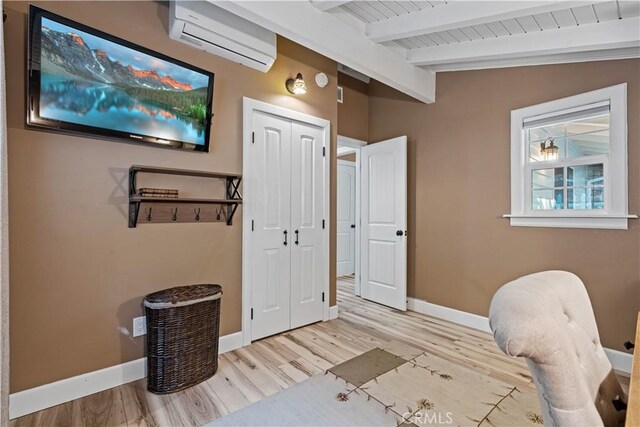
(183, 295)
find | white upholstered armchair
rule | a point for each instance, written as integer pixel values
(547, 318)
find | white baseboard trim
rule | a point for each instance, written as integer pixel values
(452, 315)
(230, 342)
(48, 395)
(333, 312)
(620, 361)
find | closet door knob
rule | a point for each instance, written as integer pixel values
(285, 237)
(297, 242)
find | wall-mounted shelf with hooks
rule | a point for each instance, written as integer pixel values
(226, 207)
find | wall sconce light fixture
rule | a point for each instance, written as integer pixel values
(296, 86)
(549, 152)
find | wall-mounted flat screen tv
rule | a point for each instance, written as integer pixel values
(82, 80)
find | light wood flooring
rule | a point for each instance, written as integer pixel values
(270, 365)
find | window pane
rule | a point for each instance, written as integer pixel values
(546, 199)
(559, 177)
(585, 175)
(544, 132)
(535, 154)
(547, 178)
(585, 198)
(559, 195)
(588, 124)
(597, 198)
(588, 144)
(587, 136)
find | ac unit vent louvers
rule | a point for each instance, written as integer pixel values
(222, 33)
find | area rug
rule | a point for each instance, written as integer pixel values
(394, 386)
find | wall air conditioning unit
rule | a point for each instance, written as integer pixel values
(213, 29)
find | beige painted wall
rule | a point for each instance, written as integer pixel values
(78, 274)
(460, 249)
(353, 113)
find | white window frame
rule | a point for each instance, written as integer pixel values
(615, 213)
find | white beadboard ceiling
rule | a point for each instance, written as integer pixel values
(404, 43)
(450, 35)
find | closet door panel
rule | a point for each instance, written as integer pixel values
(270, 160)
(307, 272)
(346, 219)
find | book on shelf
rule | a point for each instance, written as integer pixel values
(158, 191)
(159, 195)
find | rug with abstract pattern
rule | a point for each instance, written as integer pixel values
(395, 386)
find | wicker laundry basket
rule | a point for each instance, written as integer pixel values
(183, 327)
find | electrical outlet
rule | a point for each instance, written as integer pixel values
(139, 326)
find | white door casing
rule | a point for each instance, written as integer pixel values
(271, 265)
(384, 222)
(306, 224)
(356, 144)
(346, 218)
(253, 188)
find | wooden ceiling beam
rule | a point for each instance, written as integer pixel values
(460, 14)
(328, 35)
(604, 36)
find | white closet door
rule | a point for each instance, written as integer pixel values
(307, 271)
(384, 222)
(346, 219)
(271, 255)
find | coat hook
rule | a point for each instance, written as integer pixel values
(197, 212)
(148, 211)
(219, 213)
(174, 214)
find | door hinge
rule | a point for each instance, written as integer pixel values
(253, 137)
(252, 314)
(323, 224)
(324, 151)
(251, 225)
(323, 297)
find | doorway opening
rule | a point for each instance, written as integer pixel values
(371, 220)
(348, 214)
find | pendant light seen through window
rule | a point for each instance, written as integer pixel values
(549, 152)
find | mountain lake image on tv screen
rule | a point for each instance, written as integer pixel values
(88, 80)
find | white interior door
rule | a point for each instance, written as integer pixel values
(307, 258)
(271, 254)
(383, 213)
(346, 218)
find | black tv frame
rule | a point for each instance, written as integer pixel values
(35, 121)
